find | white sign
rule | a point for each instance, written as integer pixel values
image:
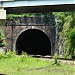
(2, 14)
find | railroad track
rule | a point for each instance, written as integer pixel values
(50, 57)
(63, 60)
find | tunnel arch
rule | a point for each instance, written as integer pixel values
(33, 42)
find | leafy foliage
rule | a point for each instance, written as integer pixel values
(12, 16)
(66, 22)
(55, 57)
(71, 38)
(2, 39)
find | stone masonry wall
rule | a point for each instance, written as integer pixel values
(15, 27)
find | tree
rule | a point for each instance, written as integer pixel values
(66, 22)
(71, 38)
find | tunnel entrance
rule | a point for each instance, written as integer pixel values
(34, 42)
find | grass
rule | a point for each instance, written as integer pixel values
(20, 65)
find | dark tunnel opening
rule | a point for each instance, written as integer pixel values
(33, 42)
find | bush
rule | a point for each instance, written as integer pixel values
(71, 38)
(2, 39)
(2, 56)
(24, 55)
(10, 54)
(55, 57)
(73, 56)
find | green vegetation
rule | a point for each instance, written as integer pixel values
(12, 16)
(71, 38)
(2, 39)
(66, 22)
(2, 22)
(55, 57)
(11, 64)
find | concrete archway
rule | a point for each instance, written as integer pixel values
(34, 42)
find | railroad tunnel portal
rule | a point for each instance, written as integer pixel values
(33, 42)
